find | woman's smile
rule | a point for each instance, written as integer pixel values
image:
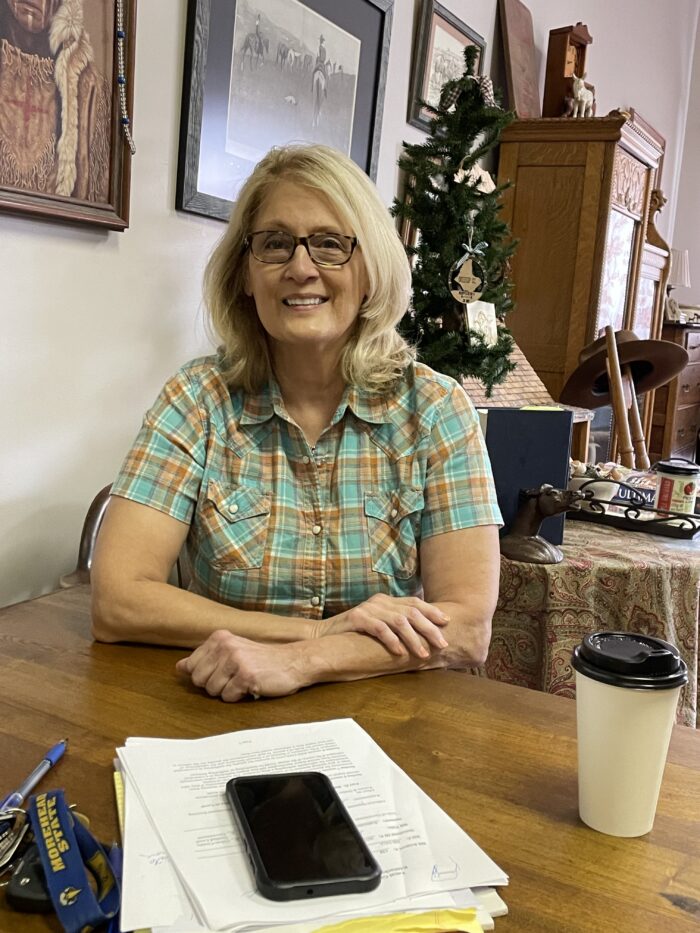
(304, 301)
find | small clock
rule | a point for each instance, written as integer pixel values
(566, 57)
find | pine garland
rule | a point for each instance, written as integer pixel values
(442, 195)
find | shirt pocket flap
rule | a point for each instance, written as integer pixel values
(236, 502)
(392, 507)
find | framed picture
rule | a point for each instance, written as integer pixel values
(275, 72)
(438, 56)
(521, 63)
(63, 152)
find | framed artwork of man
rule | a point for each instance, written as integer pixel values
(63, 152)
(271, 73)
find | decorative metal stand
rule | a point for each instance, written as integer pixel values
(637, 516)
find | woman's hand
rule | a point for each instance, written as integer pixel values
(403, 624)
(232, 667)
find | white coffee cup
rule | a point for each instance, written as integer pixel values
(627, 688)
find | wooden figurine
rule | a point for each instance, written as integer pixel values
(566, 57)
(524, 542)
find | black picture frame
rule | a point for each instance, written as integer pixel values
(436, 21)
(219, 147)
(98, 180)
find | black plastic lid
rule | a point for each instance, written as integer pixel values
(678, 466)
(626, 659)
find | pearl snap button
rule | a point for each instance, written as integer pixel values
(315, 601)
(306, 460)
(394, 513)
(316, 529)
(232, 509)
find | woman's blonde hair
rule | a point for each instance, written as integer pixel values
(376, 354)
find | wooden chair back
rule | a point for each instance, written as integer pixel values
(630, 435)
(88, 540)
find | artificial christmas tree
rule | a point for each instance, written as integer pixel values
(460, 263)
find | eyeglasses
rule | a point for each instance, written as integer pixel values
(278, 246)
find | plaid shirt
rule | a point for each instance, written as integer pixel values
(280, 527)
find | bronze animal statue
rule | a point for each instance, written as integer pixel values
(523, 542)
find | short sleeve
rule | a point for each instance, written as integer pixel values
(459, 490)
(164, 467)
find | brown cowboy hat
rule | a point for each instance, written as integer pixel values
(652, 363)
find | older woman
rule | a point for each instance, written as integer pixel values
(334, 495)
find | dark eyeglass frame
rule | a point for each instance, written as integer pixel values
(303, 241)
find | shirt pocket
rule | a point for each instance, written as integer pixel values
(392, 523)
(235, 522)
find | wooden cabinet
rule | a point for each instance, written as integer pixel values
(579, 205)
(676, 420)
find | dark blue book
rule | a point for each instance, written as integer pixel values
(528, 447)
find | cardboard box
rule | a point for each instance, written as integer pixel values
(528, 447)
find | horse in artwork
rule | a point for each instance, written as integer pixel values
(256, 47)
(319, 92)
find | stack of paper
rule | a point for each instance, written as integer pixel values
(185, 867)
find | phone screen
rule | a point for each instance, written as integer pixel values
(300, 838)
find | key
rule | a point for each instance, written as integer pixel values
(27, 890)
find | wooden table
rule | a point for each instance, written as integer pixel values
(609, 579)
(501, 760)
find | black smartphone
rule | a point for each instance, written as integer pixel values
(300, 839)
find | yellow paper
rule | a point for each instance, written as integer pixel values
(432, 921)
(119, 795)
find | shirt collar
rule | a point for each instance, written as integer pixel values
(367, 406)
(260, 406)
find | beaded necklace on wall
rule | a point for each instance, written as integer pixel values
(121, 78)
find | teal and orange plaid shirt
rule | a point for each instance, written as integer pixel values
(280, 527)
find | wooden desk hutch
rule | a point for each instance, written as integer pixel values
(676, 421)
(580, 205)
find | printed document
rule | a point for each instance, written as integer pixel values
(181, 787)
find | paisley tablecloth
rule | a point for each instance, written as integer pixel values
(609, 579)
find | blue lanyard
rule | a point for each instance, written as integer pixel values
(68, 851)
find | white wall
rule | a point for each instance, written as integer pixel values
(93, 323)
(686, 234)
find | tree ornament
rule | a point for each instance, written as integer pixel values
(477, 177)
(467, 278)
(486, 87)
(450, 95)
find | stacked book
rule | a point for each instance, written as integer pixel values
(185, 865)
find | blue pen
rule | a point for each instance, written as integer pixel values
(47, 762)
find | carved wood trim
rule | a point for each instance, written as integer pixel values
(554, 129)
(629, 183)
(656, 204)
(618, 126)
(647, 131)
